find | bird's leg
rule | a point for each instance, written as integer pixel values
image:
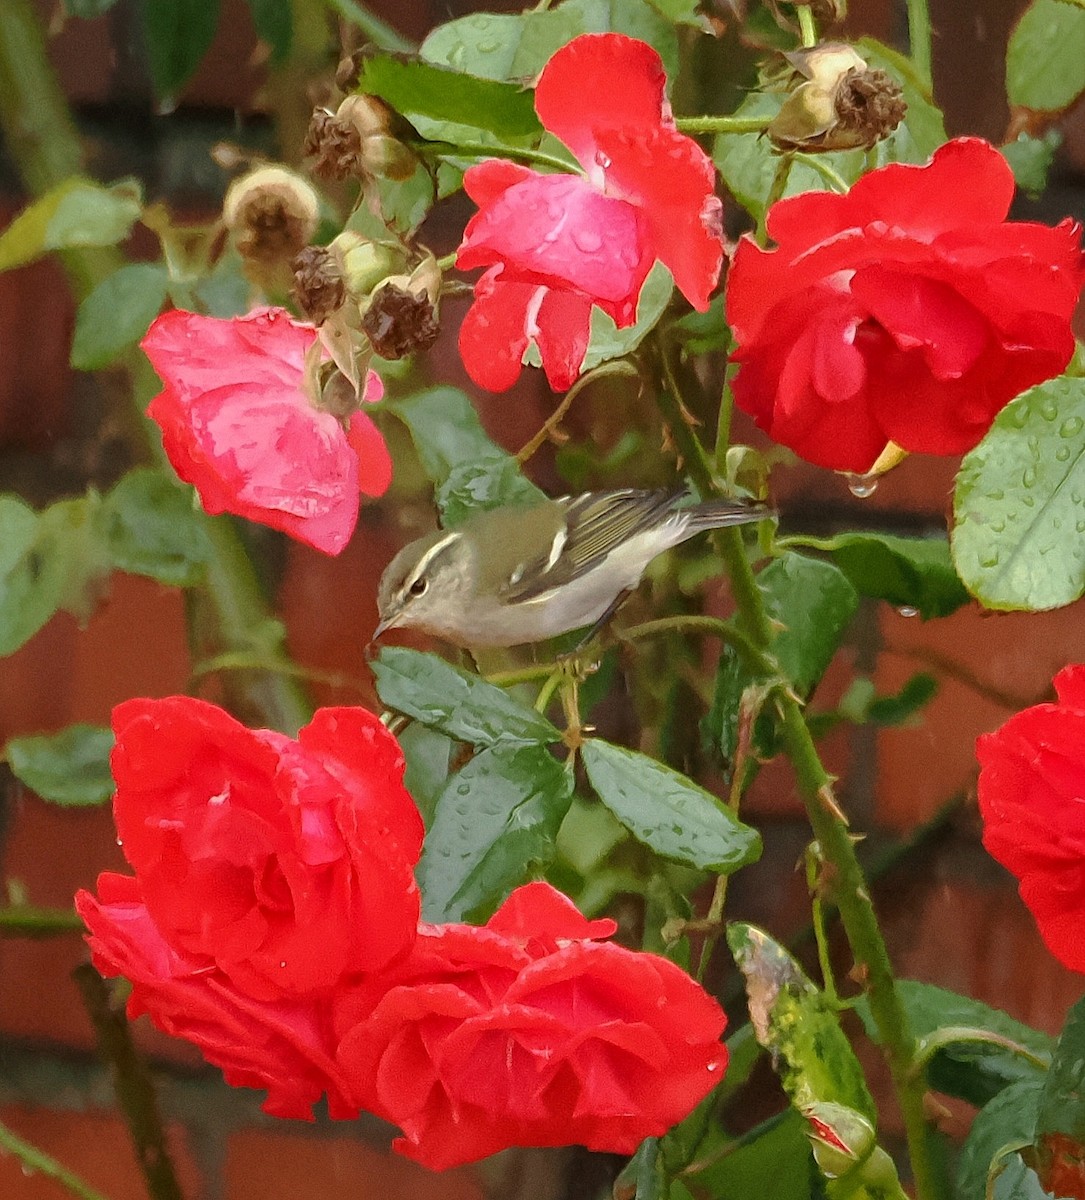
(601, 623)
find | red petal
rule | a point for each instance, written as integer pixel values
(493, 334)
(671, 180)
(558, 230)
(601, 81)
(374, 461)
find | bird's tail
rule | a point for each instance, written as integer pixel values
(715, 514)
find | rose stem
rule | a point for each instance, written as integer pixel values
(815, 786)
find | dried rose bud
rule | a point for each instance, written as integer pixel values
(318, 283)
(399, 321)
(842, 104)
(271, 213)
(334, 146)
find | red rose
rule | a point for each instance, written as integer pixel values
(907, 310)
(237, 424)
(528, 1033)
(1032, 799)
(557, 244)
(284, 1047)
(287, 864)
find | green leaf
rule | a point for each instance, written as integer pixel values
(178, 34)
(915, 693)
(972, 1070)
(1016, 1180)
(914, 573)
(774, 1161)
(151, 528)
(117, 314)
(748, 164)
(274, 22)
(495, 821)
(1045, 60)
(1031, 159)
(668, 812)
(507, 46)
(70, 768)
(428, 754)
(74, 213)
(681, 12)
(608, 341)
(1062, 1104)
(463, 706)
(814, 603)
(468, 469)
(798, 1025)
(420, 89)
(34, 573)
(1018, 505)
(502, 46)
(1007, 1120)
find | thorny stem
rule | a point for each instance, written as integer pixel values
(831, 831)
(606, 371)
(133, 1085)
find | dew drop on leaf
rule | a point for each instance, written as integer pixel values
(862, 485)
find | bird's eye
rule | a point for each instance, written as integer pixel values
(419, 586)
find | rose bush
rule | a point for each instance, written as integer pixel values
(237, 424)
(1032, 800)
(555, 245)
(907, 310)
(528, 1033)
(286, 864)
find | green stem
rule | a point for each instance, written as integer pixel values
(835, 841)
(26, 921)
(695, 125)
(716, 627)
(497, 150)
(919, 39)
(132, 1083)
(808, 31)
(606, 370)
(776, 190)
(379, 32)
(37, 1162)
(42, 140)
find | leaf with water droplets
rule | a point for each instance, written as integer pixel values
(495, 821)
(453, 702)
(1045, 60)
(668, 812)
(1019, 506)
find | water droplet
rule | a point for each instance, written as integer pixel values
(907, 610)
(1062, 453)
(588, 240)
(1028, 476)
(1071, 427)
(713, 1066)
(1049, 410)
(1018, 415)
(488, 47)
(120, 841)
(989, 560)
(998, 526)
(282, 963)
(602, 160)
(862, 485)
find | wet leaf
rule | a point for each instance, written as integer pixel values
(69, 768)
(117, 313)
(151, 528)
(74, 213)
(1007, 1120)
(1045, 60)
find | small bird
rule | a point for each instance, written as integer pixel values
(515, 575)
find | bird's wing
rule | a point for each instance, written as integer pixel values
(594, 524)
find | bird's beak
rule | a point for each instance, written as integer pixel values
(389, 622)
